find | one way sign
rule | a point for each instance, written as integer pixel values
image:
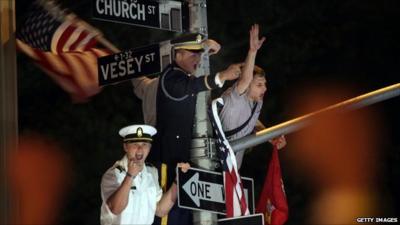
(204, 190)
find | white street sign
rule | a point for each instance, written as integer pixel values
(204, 190)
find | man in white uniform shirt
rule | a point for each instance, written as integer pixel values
(130, 190)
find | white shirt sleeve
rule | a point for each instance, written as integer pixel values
(109, 184)
(218, 80)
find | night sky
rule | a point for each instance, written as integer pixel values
(353, 44)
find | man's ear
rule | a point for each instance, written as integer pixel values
(178, 55)
(124, 146)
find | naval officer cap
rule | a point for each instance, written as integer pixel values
(137, 133)
(191, 42)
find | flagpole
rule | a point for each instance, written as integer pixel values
(302, 121)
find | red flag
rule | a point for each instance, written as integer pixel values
(63, 48)
(272, 201)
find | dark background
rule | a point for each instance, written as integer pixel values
(354, 43)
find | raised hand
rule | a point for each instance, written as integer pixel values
(279, 142)
(255, 42)
(134, 167)
(213, 46)
(183, 166)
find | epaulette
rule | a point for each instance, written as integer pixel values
(120, 168)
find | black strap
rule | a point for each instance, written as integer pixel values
(236, 130)
(120, 168)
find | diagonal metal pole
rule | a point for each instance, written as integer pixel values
(302, 121)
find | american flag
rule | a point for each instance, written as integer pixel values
(234, 195)
(63, 47)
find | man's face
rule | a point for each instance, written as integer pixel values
(188, 60)
(257, 88)
(137, 151)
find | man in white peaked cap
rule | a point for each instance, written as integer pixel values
(130, 190)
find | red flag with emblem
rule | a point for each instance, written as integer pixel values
(272, 202)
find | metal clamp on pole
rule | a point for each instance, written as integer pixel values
(203, 147)
(198, 148)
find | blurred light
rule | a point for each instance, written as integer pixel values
(38, 173)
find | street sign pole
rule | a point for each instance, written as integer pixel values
(202, 152)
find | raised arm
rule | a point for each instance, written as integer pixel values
(247, 70)
(212, 46)
(118, 201)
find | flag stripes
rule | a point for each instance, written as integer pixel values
(63, 48)
(234, 194)
(75, 72)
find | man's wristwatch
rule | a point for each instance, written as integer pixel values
(130, 175)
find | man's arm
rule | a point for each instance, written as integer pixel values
(168, 199)
(143, 85)
(118, 201)
(259, 126)
(247, 71)
(177, 84)
(211, 46)
(280, 141)
(146, 89)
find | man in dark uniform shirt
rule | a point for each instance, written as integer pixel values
(176, 104)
